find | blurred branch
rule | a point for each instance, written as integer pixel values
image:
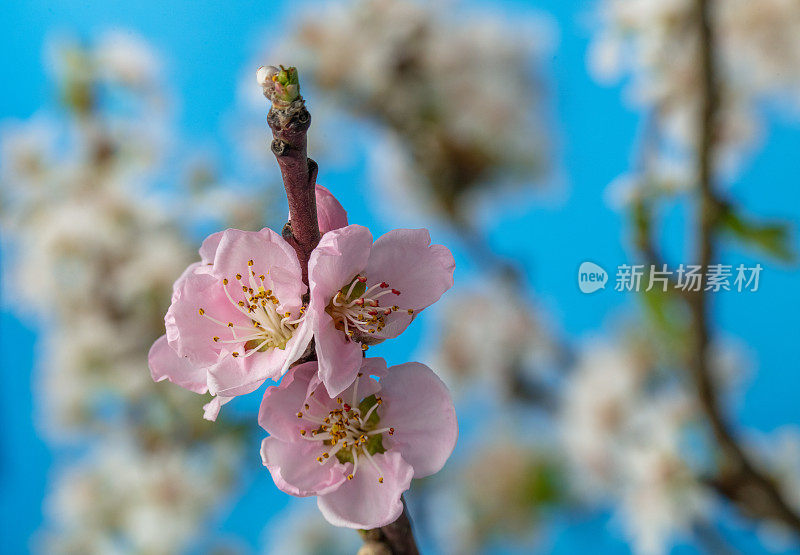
(740, 480)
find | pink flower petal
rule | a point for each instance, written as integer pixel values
(339, 357)
(272, 257)
(417, 404)
(211, 409)
(374, 366)
(339, 257)
(165, 364)
(407, 262)
(363, 502)
(280, 404)
(189, 333)
(296, 346)
(241, 375)
(208, 250)
(191, 269)
(294, 467)
(233, 376)
(330, 214)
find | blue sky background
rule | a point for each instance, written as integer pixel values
(206, 45)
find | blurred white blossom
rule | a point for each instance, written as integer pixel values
(625, 441)
(166, 493)
(459, 91)
(301, 530)
(94, 254)
(656, 44)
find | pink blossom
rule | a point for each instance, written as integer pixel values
(236, 316)
(330, 214)
(359, 450)
(363, 293)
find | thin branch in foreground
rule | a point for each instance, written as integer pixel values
(289, 121)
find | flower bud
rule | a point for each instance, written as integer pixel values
(265, 74)
(280, 85)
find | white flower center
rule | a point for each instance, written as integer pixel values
(268, 329)
(356, 309)
(349, 433)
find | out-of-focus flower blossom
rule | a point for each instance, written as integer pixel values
(660, 495)
(656, 42)
(163, 486)
(624, 440)
(490, 338)
(597, 403)
(301, 530)
(358, 451)
(82, 221)
(461, 95)
(363, 293)
(506, 483)
(124, 57)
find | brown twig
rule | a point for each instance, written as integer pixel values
(289, 122)
(289, 126)
(739, 478)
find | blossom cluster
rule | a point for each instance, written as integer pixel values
(342, 427)
(623, 431)
(439, 83)
(92, 256)
(657, 44)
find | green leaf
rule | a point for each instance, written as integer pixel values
(773, 238)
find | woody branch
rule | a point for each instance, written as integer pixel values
(289, 121)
